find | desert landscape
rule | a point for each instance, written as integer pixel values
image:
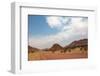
(57, 37)
(76, 49)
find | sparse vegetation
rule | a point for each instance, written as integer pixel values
(77, 49)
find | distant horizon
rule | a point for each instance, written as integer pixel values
(57, 43)
(44, 31)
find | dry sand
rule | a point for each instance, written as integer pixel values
(56, 55)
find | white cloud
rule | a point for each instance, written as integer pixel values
(79, 26)
(77, 29)
(57, 22)
(53, 21)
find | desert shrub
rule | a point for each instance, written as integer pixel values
(65, 50)
(53, 51)
(31, 51)
(62, 51)
(85, 48)
(69, 50)
(81, 48)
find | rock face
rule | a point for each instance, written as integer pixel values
(79, 43)
(82, 44)
(32, 50)
(56, 47)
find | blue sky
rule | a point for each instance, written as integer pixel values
(44, 31)
(38, 26)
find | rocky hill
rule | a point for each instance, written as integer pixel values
(78, 43)
(31, 49)
(56, 47)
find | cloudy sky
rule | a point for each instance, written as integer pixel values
(44, 31)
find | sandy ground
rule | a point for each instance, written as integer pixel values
(56, 55)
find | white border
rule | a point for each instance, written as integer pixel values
(19, 38)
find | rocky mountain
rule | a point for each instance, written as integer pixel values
(78, 43)
(55, 47)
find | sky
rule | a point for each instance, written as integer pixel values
(44, 31)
